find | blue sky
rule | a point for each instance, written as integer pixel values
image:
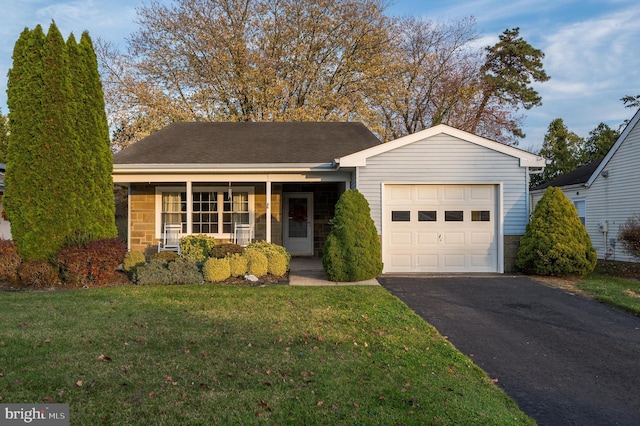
(592, 47)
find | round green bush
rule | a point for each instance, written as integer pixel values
(238, 264)
(216, 270)
(197, 247)
(267, 247)
(167, 256)
(555, 241)
(352, 251)
(224, 250)
(132, 260)
(278, 264)
(257, 263)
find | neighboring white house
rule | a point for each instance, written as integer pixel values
(608, 194)
(5, 228)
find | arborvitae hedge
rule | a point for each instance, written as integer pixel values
(556, 242)
(352, 251)
(58, 180)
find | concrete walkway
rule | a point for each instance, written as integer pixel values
(308, 271)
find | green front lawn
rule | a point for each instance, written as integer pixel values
(618, 292)
(239, 355)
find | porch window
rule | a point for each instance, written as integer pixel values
(174, 209)
(214, 210)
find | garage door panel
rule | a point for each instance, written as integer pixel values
(482, 238)
(427, 238)
(453, 238)
(400, 261)
(478, 193)
(454, 260)
(422, 240)
(425, 193)
(401, 238)
(453, 193)
(427, 261)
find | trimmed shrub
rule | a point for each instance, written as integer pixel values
(162, 272)
(133, 260)
(238, 265)
(352, 251)
(556, 242)
(278, 264)
(197, 247)
(92, 264)
(629, 235)
(37, 274)
(224, 250)
(9, 261)
(156, 272)
(167, 256)
(267, 248)
(257, 263)
(216, 270)
(184, 271)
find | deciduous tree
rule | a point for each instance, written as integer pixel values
(304, 60)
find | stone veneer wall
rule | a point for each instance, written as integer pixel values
(142, 231)
(511, 246)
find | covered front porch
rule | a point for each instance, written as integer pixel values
(291, 210)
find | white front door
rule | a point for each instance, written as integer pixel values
(298, 223)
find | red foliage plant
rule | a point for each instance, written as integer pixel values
(38, 274)
(9, 261)
(91, 264)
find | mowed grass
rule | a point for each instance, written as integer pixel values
(621, 293)
(204, 355)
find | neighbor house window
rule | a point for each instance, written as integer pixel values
(214, 211)
(581, 206)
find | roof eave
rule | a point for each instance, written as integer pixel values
(614, 148)
(222, 168)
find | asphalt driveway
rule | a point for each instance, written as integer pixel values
(564, 359)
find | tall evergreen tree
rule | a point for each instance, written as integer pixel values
(4, 137)
(59, 164)
(562, 147)
(98, 145)
(24, 153)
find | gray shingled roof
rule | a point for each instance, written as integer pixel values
(248, 143)
(575, 177)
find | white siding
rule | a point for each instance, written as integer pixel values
(617, 197)
(443, 159)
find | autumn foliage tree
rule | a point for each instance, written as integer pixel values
(304, 60)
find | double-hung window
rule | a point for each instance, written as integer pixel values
(214, 210)
(581, 207)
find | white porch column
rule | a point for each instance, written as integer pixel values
(189, 207)
(268, 213)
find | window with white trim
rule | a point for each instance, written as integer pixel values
(214, 210)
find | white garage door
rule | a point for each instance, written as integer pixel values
(440, 228)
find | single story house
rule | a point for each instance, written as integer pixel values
(5, 227)
(442, 200)
(606, 192)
